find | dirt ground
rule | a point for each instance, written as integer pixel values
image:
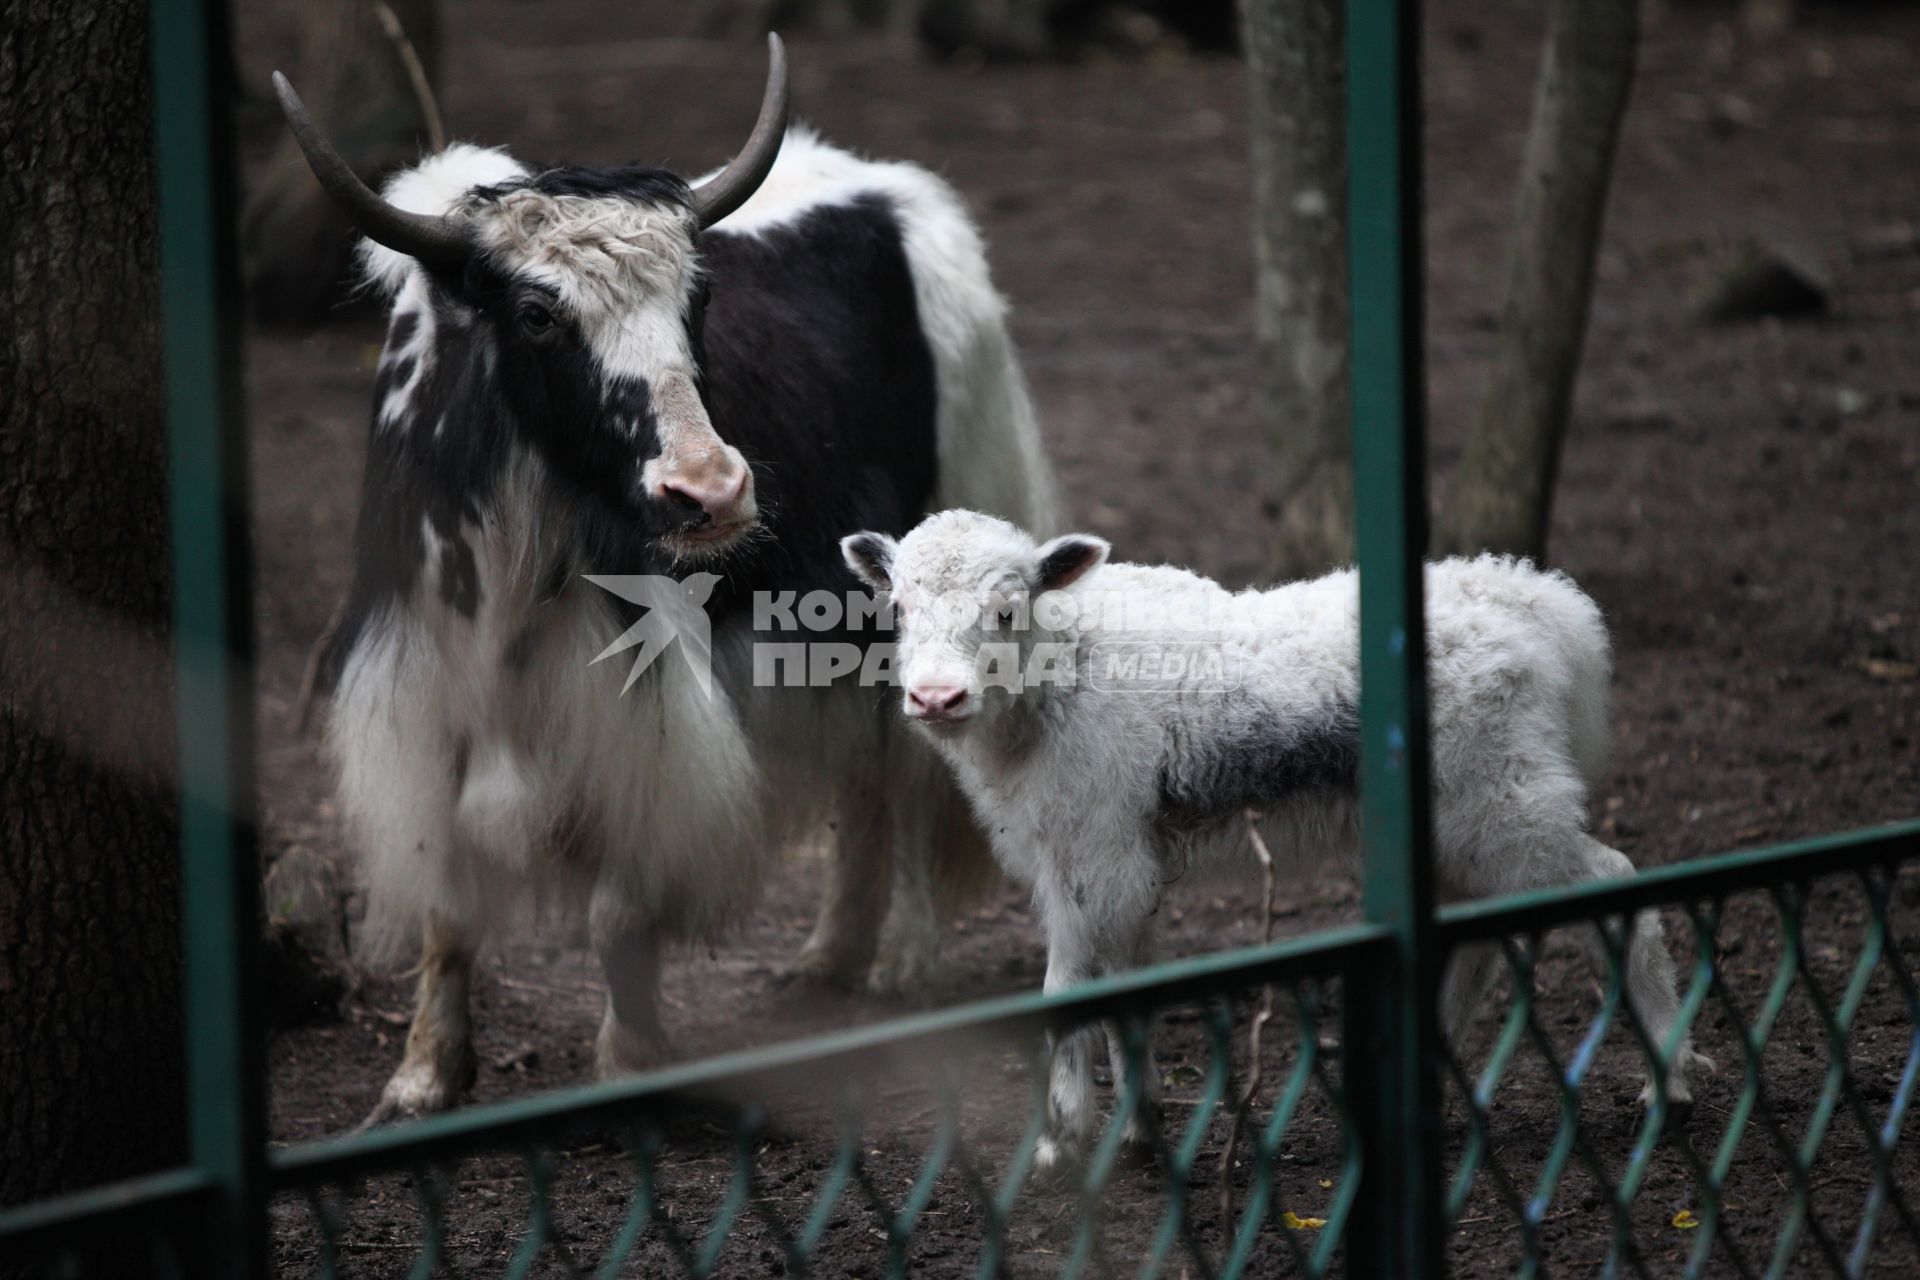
(1740, 500)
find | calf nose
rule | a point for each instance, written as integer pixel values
(934, 700)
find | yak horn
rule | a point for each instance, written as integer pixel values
(727, 190)
(434, 240)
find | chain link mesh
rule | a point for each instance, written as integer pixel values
(930, 1163)
(909, 1150)
(1791, 1162)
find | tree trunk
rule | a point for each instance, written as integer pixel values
(92, 1073)
(352, 75)
(1501, 498)
(1296, 75)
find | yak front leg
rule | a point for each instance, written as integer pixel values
(632, 1037)
(859, 874)
(910, 937)
(439, 1064)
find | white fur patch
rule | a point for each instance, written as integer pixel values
(438, 184)
(604, 250)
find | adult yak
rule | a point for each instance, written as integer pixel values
(611, 371)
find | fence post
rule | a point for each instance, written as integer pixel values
(1391, 1020)
(213, 624)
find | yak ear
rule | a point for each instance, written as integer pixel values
(1067, 559)
(870, 556)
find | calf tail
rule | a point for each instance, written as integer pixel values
(1589, 659)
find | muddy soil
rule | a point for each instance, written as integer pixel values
(1740, 499)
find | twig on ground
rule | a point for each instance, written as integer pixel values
(1261, 1016)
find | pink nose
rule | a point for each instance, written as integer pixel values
(934, 701)
(717, 492)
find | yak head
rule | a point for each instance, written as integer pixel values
(576, 301)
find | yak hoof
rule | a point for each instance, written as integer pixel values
(819, 966)
(418, 1089)
(901, 971)
(1057, 1161)
(621, 1051)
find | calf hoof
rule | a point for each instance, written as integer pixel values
(1137, 1157)
(1138, 1149)
(421, 1089)
(1680, 1078)
(1679, 1088)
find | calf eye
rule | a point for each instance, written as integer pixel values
(534, 319)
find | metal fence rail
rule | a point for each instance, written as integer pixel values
(1303, 1197)
(1375, 1146)
(977, 1069)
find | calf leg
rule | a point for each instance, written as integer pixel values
(1070, 1106)
(1146, 1116)
(631, 1037)
(1468, 975)
(439, 1064)
(1652, 987)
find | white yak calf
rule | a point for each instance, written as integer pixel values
(1111, 726)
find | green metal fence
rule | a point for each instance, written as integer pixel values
(1372, 1147)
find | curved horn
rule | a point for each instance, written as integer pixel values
(727, 190)
(431, 239)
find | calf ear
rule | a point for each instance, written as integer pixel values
(870, 556)
(1067, 559)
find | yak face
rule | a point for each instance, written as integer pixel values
(586, 290)
(580, 292)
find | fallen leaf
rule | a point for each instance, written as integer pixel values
(1293, 1222)
(1685, 1220)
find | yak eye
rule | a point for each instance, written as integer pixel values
(534, 318)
